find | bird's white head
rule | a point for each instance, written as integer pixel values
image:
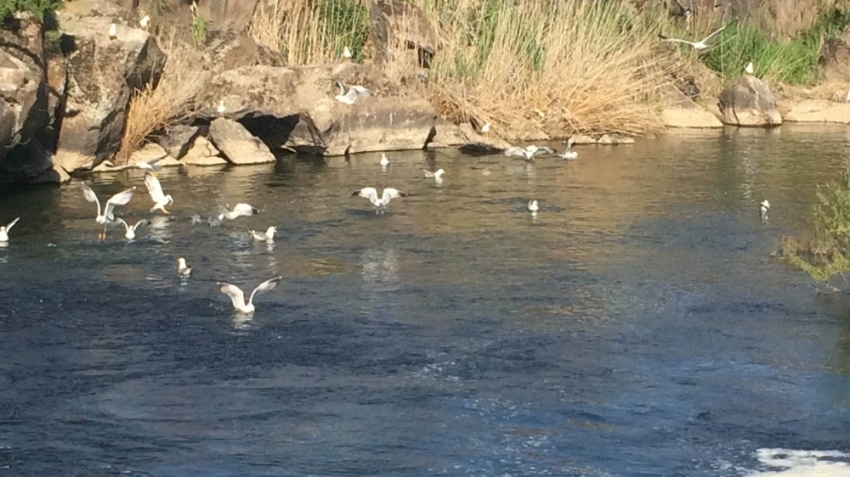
(271, 231)
(384, 160)
(181, 263)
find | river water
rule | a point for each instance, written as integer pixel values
(637, 326)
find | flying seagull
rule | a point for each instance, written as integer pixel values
(183, 269)
(120, 198)
(353, 93)
(268, 235)
(699, 45)
(238, 211)
(130, 230)
(372, 194)
(529, 152)
(160, 200)
(4, 231)
(151, 165)
(238, 297)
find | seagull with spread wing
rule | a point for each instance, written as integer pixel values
(4, 231)
(160, 200)
(529, 152)
(121, 198)
(372, 194)
(698, 45)
(238, 211)
(130, 230)
(237, 297)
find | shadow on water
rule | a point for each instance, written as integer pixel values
(635, 326)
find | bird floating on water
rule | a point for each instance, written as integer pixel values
(145, 22)
(113, 31)
(130, 230)
(353, 93)
(764, 208)
(384, 162)
(698, 45)
(533, 207)
(238, 210)
(268, 235)
(380, 204)
(436, 175)
(568, 153)
(749, 69)
(183, 269)
(529, 152)
(4, 231)
(121, 198)
(237, 297)
(160, 200)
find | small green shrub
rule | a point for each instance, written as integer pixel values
(39, 8)
(199, 30)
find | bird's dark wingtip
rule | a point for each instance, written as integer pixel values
(355, 193)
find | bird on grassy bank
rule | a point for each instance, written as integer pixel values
(268, 235)
(568, 153)
(160, 200)
(130, 230)
(764, 208)
(698, 45)
(121, 198)
(237, 297)
(749, 68)
(532, 206)
(354, 91)
(4, 231)
(238, 210)
(183, 269)
(529, 152)
(346, 53)
(380, 204)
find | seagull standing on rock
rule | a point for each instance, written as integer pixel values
(763, 209)
(353, 93)
(221, 109)
(145, 22)
(749, 68)
(113, 31)
(346, 53)
(4, 231)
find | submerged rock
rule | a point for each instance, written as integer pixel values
(237, 144)
(749, 102)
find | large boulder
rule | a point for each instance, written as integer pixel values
(237, 144)
(400, 29)
(682, 112)
(295, 108)
(834, 61)
(203, 153)
(103, 72)
(818, 111)
(749, 102)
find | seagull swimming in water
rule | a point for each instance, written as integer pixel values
(529, 152)
(353, 93)
(763, 209)
(268, 235)
(130, 230)
(372, 194)
(121, 198)
(384, 162)
(160, 200)
(237, 297)
(698, 45)
(183, 269)
(238, 211)
(533, 206)
(4, 231)
(436, 175)
(568, 153)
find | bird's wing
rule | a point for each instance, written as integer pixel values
(678, 40)
(264, 287)
(514, 151)
(257, 235)
(341, 88)
(368, 192)
(428, 173)
(12, 224)
(120, 198)
(391, 193)
(245, 209)
(712, 35)
(154, 161)
(141, 222)
(351, 95)
(90, 195)
(234, 292)
(541, 150)
(361, 90)
(154, 188)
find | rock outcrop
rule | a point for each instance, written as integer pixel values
(103, 72)
(203, 153)
(818, 111)
(682, 112)
(237, 144)
(749, 102)
(834, 61)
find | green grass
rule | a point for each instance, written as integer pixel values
(35, 7)
(343, 23)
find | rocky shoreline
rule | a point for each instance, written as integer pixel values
(65, 95)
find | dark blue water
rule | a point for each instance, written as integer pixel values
(637, 326)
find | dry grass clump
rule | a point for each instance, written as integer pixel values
(171, 101)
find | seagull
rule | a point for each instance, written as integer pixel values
(238, 211)
(435, 175)
(346, 53)
(384, 162)
(699, 45)
(764, 208)
(238, 297)
(113, 31)
(4, 231)
(749, 69)
(130, 230)
(120, 198)
(372, 194)
(847, 96)
(568, 153)
(183, 269)
(532, 206)
(268, 235)
(354, 92)
(485, 128)
(160, 200)
(145, 21)
(529, 152)
(221, 108)
(151, 165)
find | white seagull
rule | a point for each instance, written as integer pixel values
(749, 68)
(238, 297)
(120, 198)
(145, 22)
(532, 206)
(763, 209)
(699, 45)
(238, 211)
(268, 235)
(372, 194)
(160, 200)
(183, 269)
(568, 153)
(485, 128)
(113, 31)
(4, 231)
(434, 175)
(384, 162)
(346, 53)
(353, 93)
(529, 152)
(130, 230)
(150, 165)
(221, 109)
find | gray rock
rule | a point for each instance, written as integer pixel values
(749, 102)
(203, 153)
(237, 144)
(178, 140)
